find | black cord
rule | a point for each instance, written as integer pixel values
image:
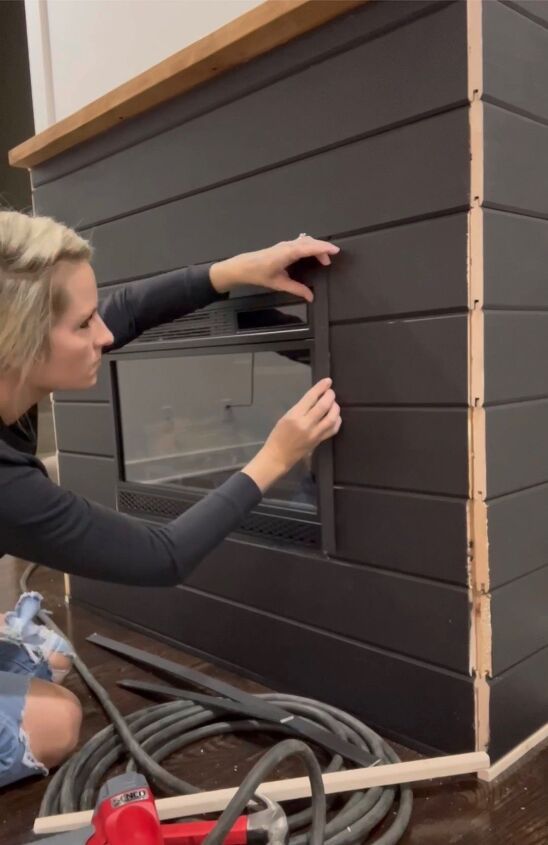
(150, 735)
(258, 774)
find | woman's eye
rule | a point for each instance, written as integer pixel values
(86, 324)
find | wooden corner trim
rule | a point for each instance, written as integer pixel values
(261, 29)
(474, 14)
(478, 538)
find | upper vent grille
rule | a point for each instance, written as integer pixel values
(210, 323)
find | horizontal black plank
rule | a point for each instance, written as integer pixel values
(518, 534)
(416, 170)
(402, 697)
(409, 268)
(339, 35)
(423, 450)
(420, 535)
(429, 621)
(517, 446)
(515, 162)
(91, 477)
(537, 10)
(515, 260)
(515, 60)
(84, 427)
(411, 361)
(197, 155)
(518, 704)
(519, 618)
(100, 392)
(516, 345)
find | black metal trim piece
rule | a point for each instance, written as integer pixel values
(260, 709)
(324, 453)
(220, 346)
(209, 701)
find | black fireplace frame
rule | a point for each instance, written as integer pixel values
(270, 523)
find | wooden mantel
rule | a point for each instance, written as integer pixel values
(270, 25)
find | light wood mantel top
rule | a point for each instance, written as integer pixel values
(269, 25)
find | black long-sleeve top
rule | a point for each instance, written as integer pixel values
(45, 524)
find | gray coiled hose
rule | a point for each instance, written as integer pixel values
(151, 734)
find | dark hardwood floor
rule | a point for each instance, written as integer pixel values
(513, 811)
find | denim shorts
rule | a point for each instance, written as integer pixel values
(17, 668)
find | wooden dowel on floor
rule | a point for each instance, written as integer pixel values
(67, 589)
(514, 754)
(287, 790)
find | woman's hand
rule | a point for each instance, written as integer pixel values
(315, 418)
(268, 267)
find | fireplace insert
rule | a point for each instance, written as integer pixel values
(194, 400)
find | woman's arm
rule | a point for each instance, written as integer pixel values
(43, 523)
(139, 306)
(160, 299)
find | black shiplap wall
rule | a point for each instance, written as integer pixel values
(358, 132)
(515, 38)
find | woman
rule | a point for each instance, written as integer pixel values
(52, 335)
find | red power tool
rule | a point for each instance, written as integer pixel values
(126, 815)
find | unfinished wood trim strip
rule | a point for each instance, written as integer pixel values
(478, 544)
(288, 790)
(514, 755)
(66, 576)
(270, 25)
(68, 588)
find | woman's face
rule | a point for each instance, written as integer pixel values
(78, 336)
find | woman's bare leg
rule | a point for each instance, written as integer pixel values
(52, 718)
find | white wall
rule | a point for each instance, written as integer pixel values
(81, 49)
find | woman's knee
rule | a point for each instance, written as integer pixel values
(52, 719)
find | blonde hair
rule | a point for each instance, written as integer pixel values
(30, 247)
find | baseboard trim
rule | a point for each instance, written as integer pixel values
(514, 755)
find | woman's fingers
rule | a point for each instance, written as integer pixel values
(289, 285)
(313, 419)
(330, 421)
(272, 263)
(331, 431)
(330, 424)
(324, 259)
(311, 396)
(322, 406)
(308, 247)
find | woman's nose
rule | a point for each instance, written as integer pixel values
(104, 335)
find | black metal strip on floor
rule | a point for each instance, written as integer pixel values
(224, 705)
(254, 706)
